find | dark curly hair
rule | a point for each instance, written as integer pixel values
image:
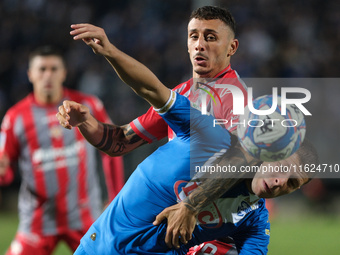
(46, 50)
(214, 12)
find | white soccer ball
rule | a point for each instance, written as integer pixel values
(271, 137)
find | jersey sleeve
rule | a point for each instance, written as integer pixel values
(9, 147)
(150, 126)
(254, 238)
(214, 248)
(176, 113)
(113, 167)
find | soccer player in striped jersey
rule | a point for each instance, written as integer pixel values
(126, 226)
(211, 44)
(210, 57)
(60, 194)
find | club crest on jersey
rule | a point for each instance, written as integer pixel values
(183, 188)
(244, 208)
(210, 216)
(56, 132)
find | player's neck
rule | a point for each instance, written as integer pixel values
(203, 76)
(209, 75)
(48, 98)
(248, 184)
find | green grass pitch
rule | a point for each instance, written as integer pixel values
(312, 235)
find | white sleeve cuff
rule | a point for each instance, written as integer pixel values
(168, 104)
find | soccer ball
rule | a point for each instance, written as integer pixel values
(271, 137)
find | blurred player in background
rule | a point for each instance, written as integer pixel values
(60, 194)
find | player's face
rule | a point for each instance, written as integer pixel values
(210, 45)
(47, 74)
(278, 178)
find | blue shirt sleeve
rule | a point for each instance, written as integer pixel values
(177, 115)
(253, 238)
(187, 121)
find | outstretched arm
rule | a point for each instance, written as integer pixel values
(112, 139)
(129, 70)
(212, 188)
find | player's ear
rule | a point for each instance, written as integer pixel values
(29, 75)
(64, 74)
(233, 47)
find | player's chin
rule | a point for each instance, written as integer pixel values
(273, 194)
(203, 72)
(265, 194)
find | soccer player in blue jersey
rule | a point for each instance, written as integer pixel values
(126, 225)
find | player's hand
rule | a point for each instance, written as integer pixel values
(181, 224)
(6, 174)
(93, 36)
(72, 114)
(4, 164)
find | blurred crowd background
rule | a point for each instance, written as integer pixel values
(282, 39)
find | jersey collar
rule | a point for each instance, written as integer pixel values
(223, 72)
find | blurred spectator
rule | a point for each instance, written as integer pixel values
(298, 40)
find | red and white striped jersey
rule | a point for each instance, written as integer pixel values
(60, 184)
(151, 127)
(213, 248)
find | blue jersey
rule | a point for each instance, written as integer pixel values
(125, 227)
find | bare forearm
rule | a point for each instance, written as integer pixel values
(112, 139)
(138, 77)
(91, 129)
(212, 187)
(132, 72)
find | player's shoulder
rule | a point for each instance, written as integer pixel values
(233, 77)
(21, 106)
(83, 98)
(76, 95)
(227, 72)
(183, 88)
(181, 100)
(95, 105)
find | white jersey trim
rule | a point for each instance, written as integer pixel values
(168, 104)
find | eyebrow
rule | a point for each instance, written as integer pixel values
(297, 182)
(301, 180)
(205, 30)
